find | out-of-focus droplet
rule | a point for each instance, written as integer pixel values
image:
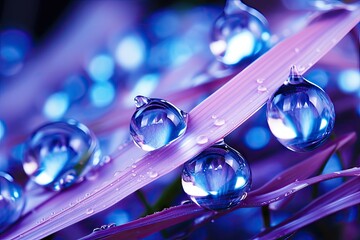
(156, 123)
(12, 201)
(300, 114)
(218, 178)
(59, 154)
(239, 33)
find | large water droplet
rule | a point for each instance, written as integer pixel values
(217, 178)
(157, 124)
(239, 33)
(12, 201)
(61, 153)
(300, 114)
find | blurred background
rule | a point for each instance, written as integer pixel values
(88, 59)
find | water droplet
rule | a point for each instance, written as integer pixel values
(261, 89)
(152, 174)
(214, 116)
(117, 173)
(59, 154)
(239, 33)
(212, 221)
(96, 230)
(217, 178)
(219, 122)
(89, 211)
(12, 201)
(202, 139)
(133, 166)
(141, 101)
(300, 114)
(185, 202)
(106, 159)
(157, 124)
(133, 174)
(297, 50)
(259, 80)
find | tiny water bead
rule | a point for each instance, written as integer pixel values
(239, 33)
(300, 114)
(156, 123)
(12, 201)
(218, 178)
(59, 154)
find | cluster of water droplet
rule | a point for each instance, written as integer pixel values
(59, 154)
(300, 114)
(239, 33)
(12, 201)
(218, 178)
(156, 123)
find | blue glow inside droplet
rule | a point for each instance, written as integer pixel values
(300, 115)
(131, 52)
(257, 138)
(59, 154)
(319, 77)
(217, 179)
(12, 201)
(101, 68)
(102, 94)
(2, 130)
(349, 81)
(56, 105)
(156, 124)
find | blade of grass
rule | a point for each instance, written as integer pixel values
(235, 102)
(145, 226)
(344, 196)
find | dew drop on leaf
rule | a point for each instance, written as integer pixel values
(156, 123)
(300, 114)
(218, 178)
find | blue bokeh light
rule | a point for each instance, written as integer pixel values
(257, 137)
(14, 45)
(319, 77)
(131, 52)
(118, 217)
(145, 85)
(101, 68)
(165, 23)
(75, 86)
(102, 94)
(349, 81)
(56, 105)
(332, 165)
(2, 130)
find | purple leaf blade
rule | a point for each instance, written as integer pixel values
(346, 195)
(87, 199)
(171, 216)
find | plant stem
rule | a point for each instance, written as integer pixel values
(265, 212)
